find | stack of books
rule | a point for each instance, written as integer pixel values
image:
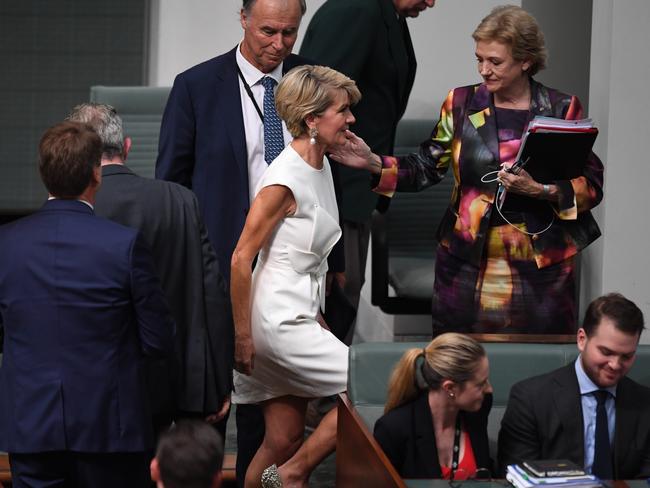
(551, 473)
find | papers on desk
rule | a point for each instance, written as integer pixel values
(519, 477)
(556, 149)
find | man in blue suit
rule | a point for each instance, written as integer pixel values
(212, 141)
(80, 304)
(369, 41)
(212, 136)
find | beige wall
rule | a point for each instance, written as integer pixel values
(188, 32)
(620, 73)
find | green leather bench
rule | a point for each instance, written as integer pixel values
(372, 363)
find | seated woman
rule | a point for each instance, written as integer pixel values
(435, 419)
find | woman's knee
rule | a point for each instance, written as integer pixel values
(285, 444)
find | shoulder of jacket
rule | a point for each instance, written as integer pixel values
(212, 65)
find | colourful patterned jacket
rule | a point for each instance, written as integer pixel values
(466, 138)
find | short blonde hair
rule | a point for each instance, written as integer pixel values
(309, 90)
(449, 356)
(513, 26)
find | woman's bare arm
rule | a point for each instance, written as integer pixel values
(271, 205)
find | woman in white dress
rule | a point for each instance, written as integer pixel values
(283, 356)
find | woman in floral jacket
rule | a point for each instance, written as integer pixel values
(511, 270)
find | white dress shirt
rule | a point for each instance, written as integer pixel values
(253, 125)
(588, 400)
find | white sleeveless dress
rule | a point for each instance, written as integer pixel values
(294, 355)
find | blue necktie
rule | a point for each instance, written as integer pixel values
(273, 139)
(602, 466)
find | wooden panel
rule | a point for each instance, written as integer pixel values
(5, 473)
(228, 469)
(359, 459)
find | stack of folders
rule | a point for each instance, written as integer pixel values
(552, 473)
(554, 149)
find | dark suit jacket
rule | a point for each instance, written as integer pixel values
(199, 374)
(365, 40)
(406, 436)
(81, 303)
(203, 146)
(543, 420)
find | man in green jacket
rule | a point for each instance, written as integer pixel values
(369, 41)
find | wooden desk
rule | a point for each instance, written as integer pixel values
(5, 473)
(359, 459)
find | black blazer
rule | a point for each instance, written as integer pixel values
(543, 420)
(406, 435)
(367, 41)
(199, 375)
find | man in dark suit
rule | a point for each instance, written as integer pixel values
(369, 41)
(212, 140)
(589, 411)
(81, 304)
(212, 137)
(197, 379)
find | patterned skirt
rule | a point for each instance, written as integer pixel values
(507, 293)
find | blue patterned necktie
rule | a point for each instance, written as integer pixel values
(602, 466)
(273, 139)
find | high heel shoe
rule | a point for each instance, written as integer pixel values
(271, 477)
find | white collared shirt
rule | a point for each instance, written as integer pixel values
(253, 125)
(78, 199)
(589, 402)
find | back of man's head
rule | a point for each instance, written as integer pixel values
(106, 122)
(69, 152)
(623, 313)
(189, 455)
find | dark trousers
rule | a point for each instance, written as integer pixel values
(250, 434)
(357, 237)
(162, 423)
(67, 469)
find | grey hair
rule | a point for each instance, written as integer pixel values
(248, 5)
(104, 120)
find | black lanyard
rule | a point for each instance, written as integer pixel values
(250, 94)
(456, 451)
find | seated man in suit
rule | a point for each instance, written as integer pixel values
(81, 305)
(196, 380)
(589, 411)
(189, 455)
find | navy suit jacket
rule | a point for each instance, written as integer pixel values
(80, 303)
(202, 146)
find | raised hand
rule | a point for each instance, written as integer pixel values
(355, 153)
